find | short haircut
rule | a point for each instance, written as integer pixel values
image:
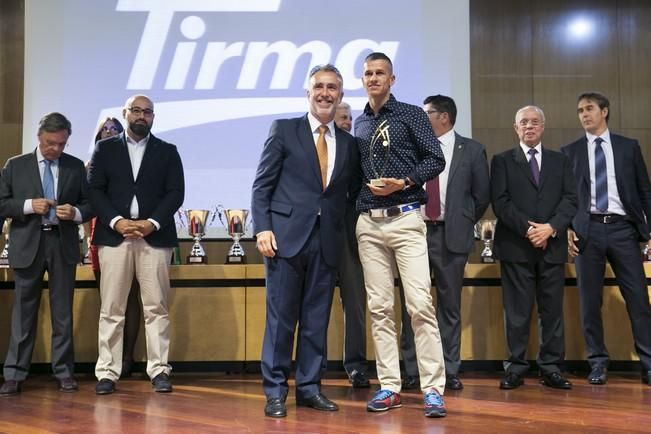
(531, 107)
(443, 104)
(328, 67)
(376, 55)
(54, 122)
(344, 105)
(597, 97)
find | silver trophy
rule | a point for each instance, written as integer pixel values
(486, 231)
(4, 256)
(234, 220)
(196, 221)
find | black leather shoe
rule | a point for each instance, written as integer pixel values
(411, 382)
(317, 402)
(511, 381)
(10, 387)
(68, 385)
(105, 387)
(452, 382)
(275, 407)
(555, 380)
(359, 380)
(598, 375)
(162, 383)
(646, 378)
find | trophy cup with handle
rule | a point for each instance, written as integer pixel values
(234, 220)
(196, 221)
(486, 231)
(4, 256)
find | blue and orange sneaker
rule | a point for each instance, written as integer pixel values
(434, 405)
(383, 400)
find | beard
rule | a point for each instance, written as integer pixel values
(140, 129)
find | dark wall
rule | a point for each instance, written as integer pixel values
(521, 53)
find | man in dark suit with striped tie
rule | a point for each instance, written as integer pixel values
(612, 219)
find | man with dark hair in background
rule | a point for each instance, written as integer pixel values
(613, 218)
(457, 198)
(303, 180)
(399, 153)
(45, 193)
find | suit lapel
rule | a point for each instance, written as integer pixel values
(340, 157)
(37, 184)
(148, 156)
(123, 154)
(306, 141)
(619, 158)
(457, 156)
(545, 167)
(523, 164)
(64, 174)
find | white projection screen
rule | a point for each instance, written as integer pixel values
(219, 71)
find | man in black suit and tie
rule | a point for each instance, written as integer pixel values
(45, 193)
(534, 200)
(612, 219)
(299, 199)
(457, 198)
(136, 186)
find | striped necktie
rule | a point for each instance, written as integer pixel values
(600, 176)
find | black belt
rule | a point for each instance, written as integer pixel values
(607, 218)
(434, 222)
(48, 227)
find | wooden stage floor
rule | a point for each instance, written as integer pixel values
(222, 403)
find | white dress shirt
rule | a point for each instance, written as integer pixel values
(330, 141)
(614, 202)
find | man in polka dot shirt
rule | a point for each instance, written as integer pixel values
(398, 153)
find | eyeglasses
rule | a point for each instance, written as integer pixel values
(137, 111)
(429, 112)
(534, 122)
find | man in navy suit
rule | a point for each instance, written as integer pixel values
(612, 219)
(45, 193)
(136, 186)
(298, 205)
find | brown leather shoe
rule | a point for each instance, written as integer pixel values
(10, 387)
(68, 385)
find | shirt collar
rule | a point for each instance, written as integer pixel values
(40, 158)
(447, 139)
(605, 136)
(390, 105)
(129, 140)
(526, 148)
(315, 124)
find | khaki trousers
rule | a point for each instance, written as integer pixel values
(118, 265)
(385, 243)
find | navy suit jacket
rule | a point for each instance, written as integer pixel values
(517, 199)
(288, 194)
(159, 188)
(21, 180)
(632, 184)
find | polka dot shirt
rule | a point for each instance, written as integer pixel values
(399, 142)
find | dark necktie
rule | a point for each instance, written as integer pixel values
(533, 165)
(433, 205)
(600, 176)
(322, 154)
(48, 188)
